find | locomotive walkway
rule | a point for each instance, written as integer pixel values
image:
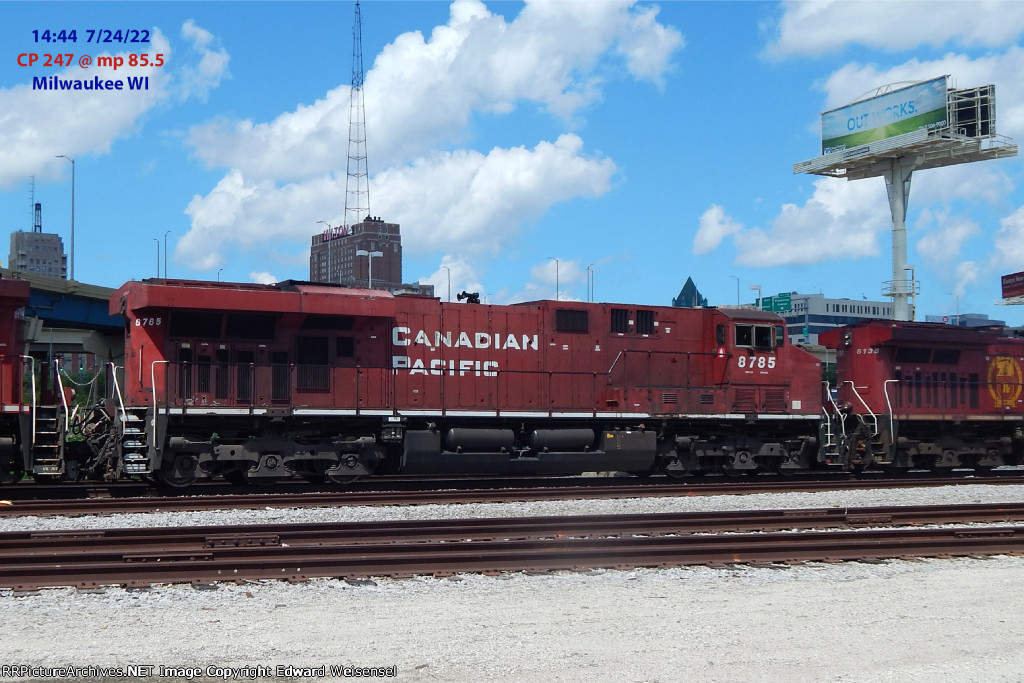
(141, 557)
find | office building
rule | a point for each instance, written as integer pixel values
(37, 252)
(341, 255)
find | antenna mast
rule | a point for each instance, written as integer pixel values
(357, 184)
(32, 199)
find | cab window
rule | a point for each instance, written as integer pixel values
(755, 336)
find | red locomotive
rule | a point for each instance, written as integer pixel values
(259, 383)
(263, 382)
(16, 408)
(925, 396)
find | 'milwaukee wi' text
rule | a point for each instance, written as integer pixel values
(94, 83)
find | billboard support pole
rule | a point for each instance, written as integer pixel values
(897, 186)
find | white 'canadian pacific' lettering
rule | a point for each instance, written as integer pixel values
(453, 368)
(437, 367)
(403, 336)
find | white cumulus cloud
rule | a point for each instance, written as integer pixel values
(37, 125)
(283, 175)
(714, 227)
(823, 26)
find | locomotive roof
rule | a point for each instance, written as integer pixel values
(287, 296)
(905, 332)
(750, 314)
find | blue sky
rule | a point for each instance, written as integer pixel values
(651, 140)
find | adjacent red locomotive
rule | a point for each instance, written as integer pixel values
(262, 382)
(925, 396)
(16, 408)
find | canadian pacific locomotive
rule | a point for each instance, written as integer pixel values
(259, 383)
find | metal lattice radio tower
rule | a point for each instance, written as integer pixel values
(357, 183)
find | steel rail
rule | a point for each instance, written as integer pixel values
(621, 552)
(96, 506)
(141, 556)
(77, 543)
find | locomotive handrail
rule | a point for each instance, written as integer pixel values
(835, 408)
(32, 374)
(888, 404)
(117, 390)
(615, 362)
(874, 418)
(63, 398)
(152, 383)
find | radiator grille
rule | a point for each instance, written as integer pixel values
(775, 400)
(745, 400)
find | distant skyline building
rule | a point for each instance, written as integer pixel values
(333, 257)
(689, 296)
(38, 252)
(808, 315)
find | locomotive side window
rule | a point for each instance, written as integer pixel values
(645, 322)
(757, 336)
(762, 336)
(719, 334)
(570, 320)
(620, 320)
(744, 335)
(780, 336)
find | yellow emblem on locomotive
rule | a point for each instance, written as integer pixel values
(1004, 381)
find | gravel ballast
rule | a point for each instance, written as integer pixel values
(899, 621)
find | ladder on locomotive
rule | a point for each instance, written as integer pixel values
(134, 442)
(47, 445)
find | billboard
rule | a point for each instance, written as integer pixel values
(1013, 285)
(921, 106)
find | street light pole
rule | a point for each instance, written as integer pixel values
(219, 271)
(590, 282)
(165, 253)
(449, 283)
(758, 288)
(157, 257)
(552, 258)
(737, 288)
(369, 264)
(61, 156)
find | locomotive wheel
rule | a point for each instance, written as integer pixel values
(179, 472)
(679, 473)
(343, 478)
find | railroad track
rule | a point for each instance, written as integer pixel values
(178, 503)
(295, 552)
